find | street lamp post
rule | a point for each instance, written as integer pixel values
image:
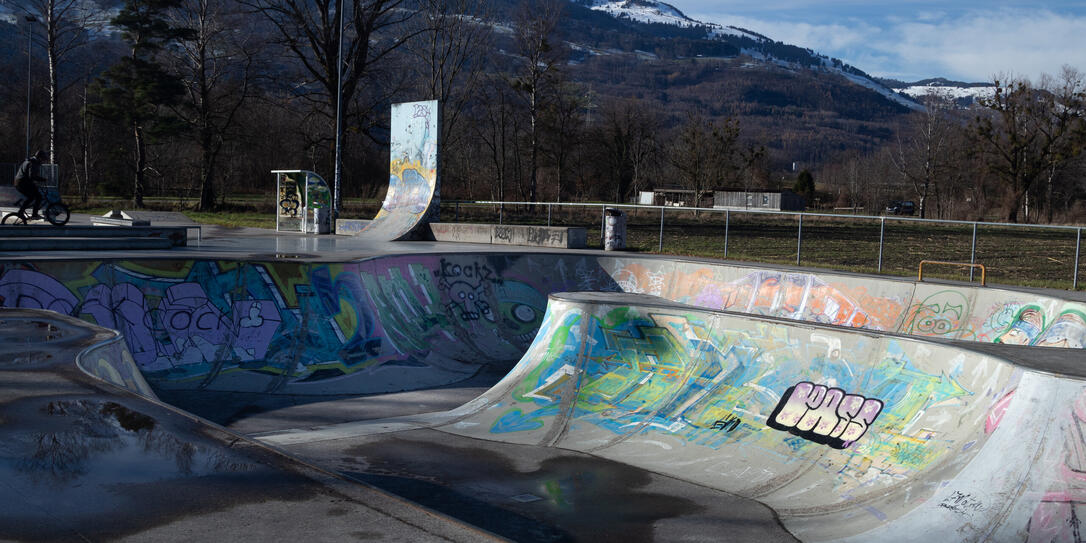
(30, 19)
(339, 115)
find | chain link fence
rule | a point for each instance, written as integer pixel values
(1027, 255)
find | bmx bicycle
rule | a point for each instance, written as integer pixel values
(52, 210)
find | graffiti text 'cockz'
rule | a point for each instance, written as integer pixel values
(824, 415)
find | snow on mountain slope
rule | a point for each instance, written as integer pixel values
(644, 12)
(951, 92)
(652, 11)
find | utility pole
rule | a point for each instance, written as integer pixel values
(30, 20)
(339, 114)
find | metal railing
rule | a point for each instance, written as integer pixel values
(983, 270)
(799, 216)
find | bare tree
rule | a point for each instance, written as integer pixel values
(309, 29)
(564, 119)
(626, 133)
(705, 153)
(66, 25)
(1023, 137)
(1065, 132)
(538, 47)
(449, 52)
(920, 149)
(216, 65)
(496, 128)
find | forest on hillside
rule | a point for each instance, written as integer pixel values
(542, 100)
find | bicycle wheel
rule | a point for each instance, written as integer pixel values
(13, 218)
(57, 214)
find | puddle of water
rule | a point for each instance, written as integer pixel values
(21, 341)
(84, 449)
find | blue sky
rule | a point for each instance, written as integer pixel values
(917, 39)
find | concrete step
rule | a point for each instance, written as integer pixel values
(23, 244)
(176, 235)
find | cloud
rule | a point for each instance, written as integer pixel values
(969, 45)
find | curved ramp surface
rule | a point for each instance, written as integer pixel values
(848, 435)
(82, 460)
(413, 185)
(399, 322)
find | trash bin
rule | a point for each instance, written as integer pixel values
(322, 221)
(614, 233)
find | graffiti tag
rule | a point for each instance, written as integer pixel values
(732, 421)
(466, 287)
(824, 415)
(962, 503)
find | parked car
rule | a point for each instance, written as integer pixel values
(900, 207)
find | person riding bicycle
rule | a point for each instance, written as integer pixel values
(26, 182)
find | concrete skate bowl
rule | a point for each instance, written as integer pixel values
(847, 435)
(287, 326)
(686, 391)
(402, 322)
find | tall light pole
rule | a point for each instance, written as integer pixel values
(30, 20)
(339, 114)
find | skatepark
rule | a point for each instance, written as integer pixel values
(260, 384)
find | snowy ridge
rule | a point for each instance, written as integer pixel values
(882, 89)
(644, 11)
(951, 92)
(652, 11)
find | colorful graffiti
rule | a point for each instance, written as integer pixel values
(1062, 508)
(201, 323)
(413, 185)
(708, 381)
(944, 313)
(800, 296)
(1068, 330)
(195, 321)
(824, 415)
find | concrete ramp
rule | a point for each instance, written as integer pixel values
(400, 322)
(412, 198)
(848, 435)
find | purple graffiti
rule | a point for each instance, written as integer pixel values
(182, 327)
(256, 323)
(824, 415)
(123, 308)
(34, 290)
(191, 320)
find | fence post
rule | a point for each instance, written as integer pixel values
(727, 222)
(973, 252)
(548, 214)
(456, 217)
(660, 245)
(603, 226)
(799, 241)
(1078, 244)
(501, 213)
(882, 236)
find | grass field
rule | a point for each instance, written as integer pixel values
(1012, 255)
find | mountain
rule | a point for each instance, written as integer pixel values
(757, 46)
(805, 107)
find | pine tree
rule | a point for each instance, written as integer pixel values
(137, 90)
(805, 186)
